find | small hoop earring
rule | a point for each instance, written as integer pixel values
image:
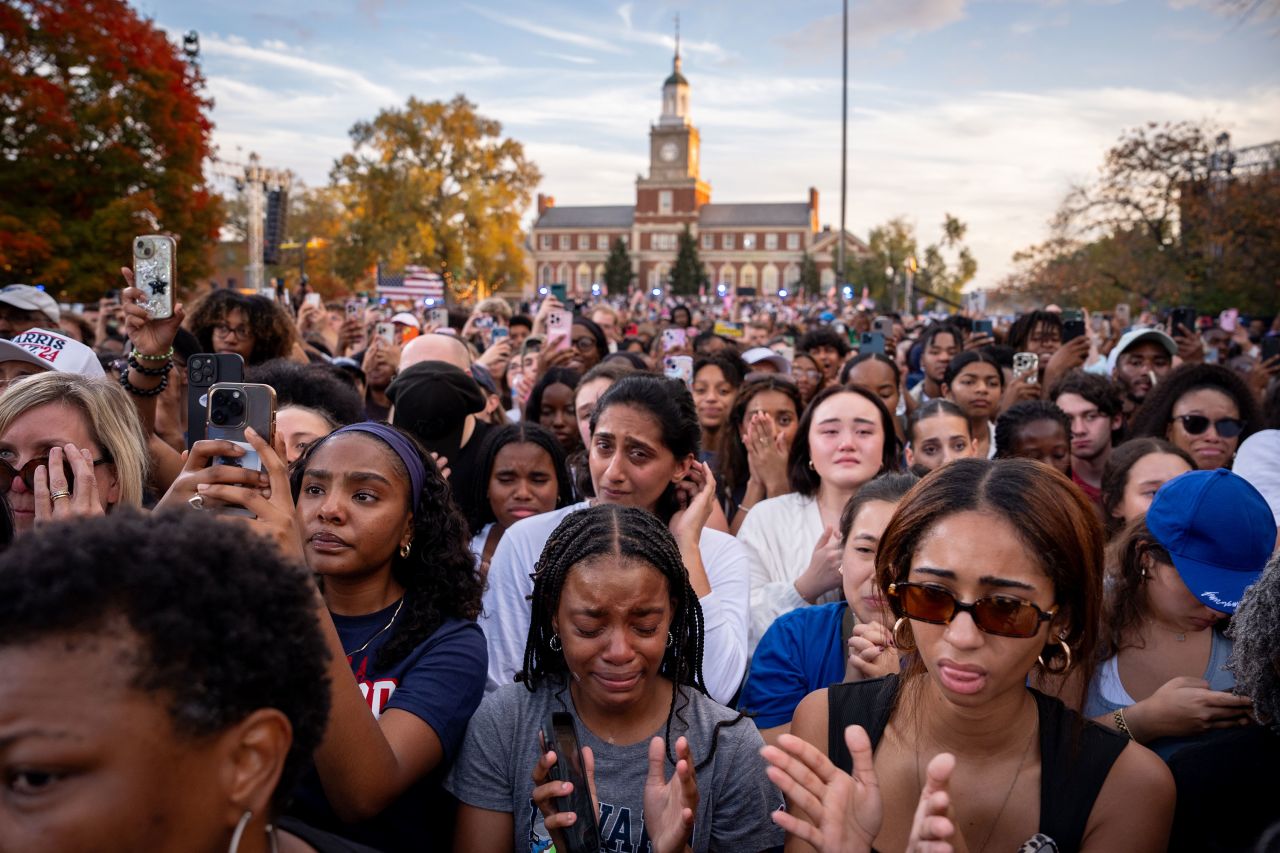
(555, 643)
(671, 641)
(404, 549)
(811, 468)
(1051, 670)
(239, 833)
(897, 626)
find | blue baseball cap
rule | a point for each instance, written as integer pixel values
(1219, 531)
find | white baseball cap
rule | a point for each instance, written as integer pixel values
(29, 298)
(52, 351)
(756, 355)
(1134, 336)
(404, 318)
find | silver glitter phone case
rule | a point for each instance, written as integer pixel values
(154, 272)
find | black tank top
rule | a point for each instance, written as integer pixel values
(1075, 754)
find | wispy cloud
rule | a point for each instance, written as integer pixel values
(568, 57)
(236, 48)
(873, 20)
(572, 37)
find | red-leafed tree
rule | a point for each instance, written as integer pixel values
(103, 135)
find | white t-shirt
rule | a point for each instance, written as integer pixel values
(505, 619)
(781, 533)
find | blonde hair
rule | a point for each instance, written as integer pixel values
(113, 421)
(495, 306)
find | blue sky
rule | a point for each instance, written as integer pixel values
(986, 109)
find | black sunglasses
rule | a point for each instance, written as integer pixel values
(993, 614)
(27, 473)
(1196, 424)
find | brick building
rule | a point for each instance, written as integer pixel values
(758, 245)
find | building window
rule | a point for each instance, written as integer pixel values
(544, 241)
(663, 242)
(584, 242)
(564, 242)
(546, 274)
(708, 241)
(727, 275)
(728, 241)
(653, 278)
(827, 277)
(793, 241)
(584, 278)
(771, 242)
(749, 277)
(748, 243)
(602, 242)
(664, 201)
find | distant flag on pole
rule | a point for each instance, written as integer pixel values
(414, 284)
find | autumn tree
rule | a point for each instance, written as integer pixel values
(1170, 218)
(434, 184)
(103, 135)
(688, 274)
(617, 268)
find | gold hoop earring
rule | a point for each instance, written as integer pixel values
(404, 549)
(897, 641)
(1059, 670)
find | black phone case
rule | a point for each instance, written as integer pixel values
(1072, 329)
(204, 370)
(1185, 317)
(584, 835)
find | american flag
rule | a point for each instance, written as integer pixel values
(414, 284)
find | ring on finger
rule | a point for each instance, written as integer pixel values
(196, 501)
(53, 496)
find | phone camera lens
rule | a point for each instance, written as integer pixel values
(218, 416)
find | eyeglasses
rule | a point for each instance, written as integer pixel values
(27, 473)
(223, 330)
(815, 375)
(584, 344)
(1196, 424)
(993, 614)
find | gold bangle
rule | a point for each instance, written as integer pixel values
(1118, 716)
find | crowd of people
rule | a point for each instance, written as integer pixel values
(793, 574)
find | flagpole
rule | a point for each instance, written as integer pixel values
(844, 144)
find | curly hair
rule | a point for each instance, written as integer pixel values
(734, 469)
(1156, 412)
(824, 336)
(1254, 658)
(804, 479)
(480, 511)
(439, 574)
(311, 386)
(274, 333)
(233, 631)
(1021, 414)
(1115, 475)
(1025, 324)
(625, 533)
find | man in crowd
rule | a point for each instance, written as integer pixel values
(939, 344)
(1094, 407)
(24, 307)
(1140, 360)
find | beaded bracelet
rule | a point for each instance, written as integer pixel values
(139, 392)
(1118, 716)
(164, 356)
(150, 371)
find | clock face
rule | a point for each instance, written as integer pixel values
(668, 151)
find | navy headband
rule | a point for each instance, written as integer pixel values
(403, 448)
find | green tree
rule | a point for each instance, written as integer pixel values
(617, 269)
(434, 184)
(688, 273)
(810, 282)
(103, 135)
(941, 269)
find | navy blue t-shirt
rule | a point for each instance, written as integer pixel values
(441, 682)
(802, 651)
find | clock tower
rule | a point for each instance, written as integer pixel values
(672, 192)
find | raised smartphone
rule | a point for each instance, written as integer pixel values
(386, 333)
(233, 407)
(673, 338)
(1026, 365)
(439, 317)
(560, 735)
(1072, 324)
(1184, 316)
(560, 291)
(983, 327)
(205, 369)
(155, 272)
(559, 328)
(678, 367)
(871, 342)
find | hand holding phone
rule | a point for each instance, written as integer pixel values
(312, 299)
(155, 272)
(559, 328)
(1026, 366)
(560, 736)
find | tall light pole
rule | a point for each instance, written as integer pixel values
(844, 138)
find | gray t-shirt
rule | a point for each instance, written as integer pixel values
(493, 771)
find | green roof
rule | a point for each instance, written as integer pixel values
(676, 78)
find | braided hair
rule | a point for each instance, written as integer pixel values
(439, 574)
(611, 530)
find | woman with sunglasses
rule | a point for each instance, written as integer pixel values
(69, 447)
(1204, 409)
(992, 569)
